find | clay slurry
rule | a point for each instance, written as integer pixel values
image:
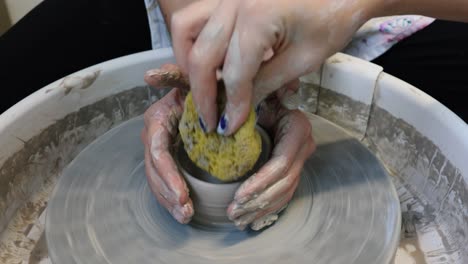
(103, 211)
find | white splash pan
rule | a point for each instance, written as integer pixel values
(422, 144)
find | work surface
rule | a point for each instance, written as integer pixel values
(345, 210)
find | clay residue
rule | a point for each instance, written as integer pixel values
(331, 211)
(25, 228)
(427, 174)
(409, 252)
(26, 174)
(81, 80)
(39, 252)
(344, 111)
(334, 60)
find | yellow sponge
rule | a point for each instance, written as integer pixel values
(224, 157)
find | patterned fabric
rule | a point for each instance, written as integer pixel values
(372, 40)
(160, 37)
(379, 34)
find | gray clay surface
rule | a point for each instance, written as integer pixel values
(102, 211)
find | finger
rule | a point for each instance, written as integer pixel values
(165, 113)
(308, 148)
(292, 131)
(157, 185)
(186, 24)
(182, 213)
(206, 56)
(266, 199)
(242, 222)
(245, 220)
(161, 123)
(165, 164)
(291, 134)
(267, 220)
(169, 75)
(281, 204)
(249, 46)
(284, 67)
(271, 172)
(277, 207)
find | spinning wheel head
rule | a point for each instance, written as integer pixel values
(103, 211)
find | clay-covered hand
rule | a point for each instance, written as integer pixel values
(260, 46)
(161, 127)
(259, 200)
(265, 194)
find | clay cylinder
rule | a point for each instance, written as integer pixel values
(210, 196)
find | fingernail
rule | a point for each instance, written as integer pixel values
(257, 113)
(222, 125)
(178, 215)
(182, 213)
(257, 109)
(187, 210)
(202, 124)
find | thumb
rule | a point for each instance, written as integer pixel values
(169, 75)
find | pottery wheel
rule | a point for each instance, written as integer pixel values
(345, 210)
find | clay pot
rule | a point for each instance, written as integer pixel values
(210, 196)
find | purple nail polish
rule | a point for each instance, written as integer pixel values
(257, 109)
(202, 124)
(222, 125)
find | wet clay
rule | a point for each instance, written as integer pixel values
(211, 196)
(345, 210)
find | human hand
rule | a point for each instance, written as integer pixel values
(260, 199)
(263, 195)
(260, 45)
(161, 127)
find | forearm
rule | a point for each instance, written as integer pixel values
(169, 7)
(455, 10)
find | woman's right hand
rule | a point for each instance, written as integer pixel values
(260, 45)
